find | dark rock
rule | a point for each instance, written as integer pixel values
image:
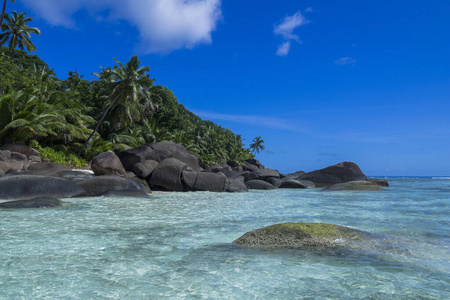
(339, 173)
(189, 178)
(355, 186)
(234, 174)
(262, 174)
(274, 181)
(127, 194)
(294, 175)
(32, 160)
(292, 184)
(301, 235)
(259, 185)
(140, 154)
(307, 183)
(168, 174)
(236, 186)
(46, 169)
(225, 166)
(380, 182)
(107, 163)
(17, 161)
(38, 202)
(99, 185)
(5, 167)
(249, 167)
(143, 184)
(27, 187)
(238, 169)
(214, 169)
(213, 182)
(173, 150)
(27, 151)
(254, 162)
(145, 168)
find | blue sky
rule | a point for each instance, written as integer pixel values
(320, 81)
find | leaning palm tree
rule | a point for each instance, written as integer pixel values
(257, 145)
(129, 83)
(3, 11)
(17, 34)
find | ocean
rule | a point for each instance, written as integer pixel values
(179, 246)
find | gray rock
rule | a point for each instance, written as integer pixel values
(107, 163)
(274, 181)
(250, 167)
(168, 174)
(234, 174)
(255, 163)
(189, 178)
(355, 186)
(140, 154)
(236, 186)
(292, 184)
(173, 150)
(143, 184)
(46, 169)
(17, 161)
(99, 185)
(145, 168)
(75, 176)
(262, 174)
(213, 182)
(294, 175)
(27, 187)
(38, 202)
(5, 155)
(27, 151)
(5, 167)
(259, 185)
(339, 173)
(380, 182)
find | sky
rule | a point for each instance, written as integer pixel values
(320, 81)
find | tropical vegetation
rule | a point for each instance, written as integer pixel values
(122, 109)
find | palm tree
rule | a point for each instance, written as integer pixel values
(3, 11)
(129, 83)
(17, 33)
(257, 145)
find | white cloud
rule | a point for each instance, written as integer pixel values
(164, 25)
(286, 30)
(283, 49)
(345, 61)
(269, 122)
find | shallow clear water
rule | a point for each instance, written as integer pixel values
(178, 245)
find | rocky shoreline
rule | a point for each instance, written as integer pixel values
(163, 166)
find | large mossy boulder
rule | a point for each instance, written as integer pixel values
(39, 202)
(301, 235)
(107, 163)
(355, 186)
(27, 187)
(168, 175)
(339, 173)
(380, 182)
(99, 185)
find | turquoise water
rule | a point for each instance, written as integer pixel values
(178, 245)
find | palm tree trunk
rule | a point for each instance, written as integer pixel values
(3, 13)
(98, 125)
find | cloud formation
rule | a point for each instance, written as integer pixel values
(163, 25)
(286, 30)
(269, 122)
(345, 61)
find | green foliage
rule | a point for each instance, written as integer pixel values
(16, 33)
(61, 157)
(60, 114)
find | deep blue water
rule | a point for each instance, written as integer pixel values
(178, 245)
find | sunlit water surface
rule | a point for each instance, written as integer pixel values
(178, 245)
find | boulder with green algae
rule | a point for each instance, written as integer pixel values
(301, 235)
(355, 186)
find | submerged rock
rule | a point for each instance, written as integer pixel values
(38, 202)
(355, 186)
(301, 234)
(380, 182)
